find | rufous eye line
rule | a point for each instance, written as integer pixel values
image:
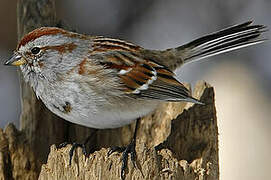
(68, 47)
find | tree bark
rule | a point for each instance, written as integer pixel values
(185, 135)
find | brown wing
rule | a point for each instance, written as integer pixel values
(140, 77)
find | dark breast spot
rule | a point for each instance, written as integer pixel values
(67, 107)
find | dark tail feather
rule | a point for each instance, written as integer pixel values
(235, 37)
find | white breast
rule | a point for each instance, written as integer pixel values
(92, 111)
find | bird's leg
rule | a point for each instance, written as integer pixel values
(76, 145)
(126, 150)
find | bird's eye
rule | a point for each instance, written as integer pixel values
(35, 50)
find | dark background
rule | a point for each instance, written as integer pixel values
(241, 78)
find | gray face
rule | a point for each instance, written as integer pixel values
(45, 56)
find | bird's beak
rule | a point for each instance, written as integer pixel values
(15, 60)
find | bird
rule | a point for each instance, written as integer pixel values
(102, 82)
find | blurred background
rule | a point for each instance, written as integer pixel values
(241, 78)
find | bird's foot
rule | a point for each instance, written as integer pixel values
(125, 153)
(73, 148)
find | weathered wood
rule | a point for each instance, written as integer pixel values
(17, 158)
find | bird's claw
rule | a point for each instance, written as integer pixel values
(125, 154)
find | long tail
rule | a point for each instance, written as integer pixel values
(234, 37)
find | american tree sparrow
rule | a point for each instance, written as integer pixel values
(103, 83)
